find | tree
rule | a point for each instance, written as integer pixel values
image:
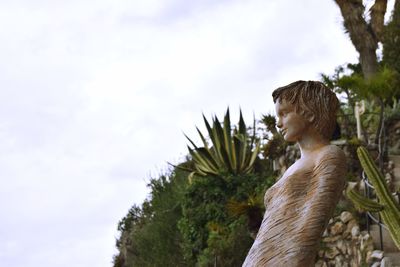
(381, 79)
(391, 40)
(364, 35)
(149, 234)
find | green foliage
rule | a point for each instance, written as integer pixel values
(275, 145)
(269, 121)
(230, 152)
(348, 80)
(382, 85)
(226, 246)
(253, 203)
(387, 205)
(132, 218)
(391, 42)
(343, 82)
(377, 93)
(152, 230)
(205, 206)
(203, 203)
(194, 224)
(392, 112)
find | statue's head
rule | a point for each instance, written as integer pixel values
(313, 101)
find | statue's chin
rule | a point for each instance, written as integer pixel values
(289, 138)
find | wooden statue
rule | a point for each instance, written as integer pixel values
(300, 204)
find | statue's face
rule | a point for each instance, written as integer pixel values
(292, 125)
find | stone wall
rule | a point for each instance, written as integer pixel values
(344, 245)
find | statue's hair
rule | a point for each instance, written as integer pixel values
(313, 100)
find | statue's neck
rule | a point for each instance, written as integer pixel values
(311, 143)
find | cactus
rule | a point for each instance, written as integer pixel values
(387, 206)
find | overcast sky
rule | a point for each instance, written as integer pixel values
(95, 95)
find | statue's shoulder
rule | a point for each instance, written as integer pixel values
(330, 154)
(331, 151)
(331, 167)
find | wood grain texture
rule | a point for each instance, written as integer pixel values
(298, 208)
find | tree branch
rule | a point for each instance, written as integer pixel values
(361, 34)
(355, 24)
(377, 12)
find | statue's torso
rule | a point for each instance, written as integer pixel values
(282, 240)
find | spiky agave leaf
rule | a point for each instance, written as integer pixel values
(202, 164)
(253, 158)
(253, 137)
(228, 139)
(236, 152)
(222, 145)
(205, 143)
(242, 125)
(229, 153)
(215, 142)
(242, 151)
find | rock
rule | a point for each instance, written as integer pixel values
(331, 239)
(390, 164)
(377, 254)
(346, 216)
(346, 235)
(359, 257)
(341, 246)
(332, 253)
(386, 262)
(337, 228)
(325, 234)
(320, 263)
(366, 242)
(388, 177)
(349, 249)
(339, 260)
(350, 224)
(344, 245)
(368, 257)
(355, 231)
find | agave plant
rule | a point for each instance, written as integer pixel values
(387, 206)
(229, 151)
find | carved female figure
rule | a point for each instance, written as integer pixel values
(299, 205)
